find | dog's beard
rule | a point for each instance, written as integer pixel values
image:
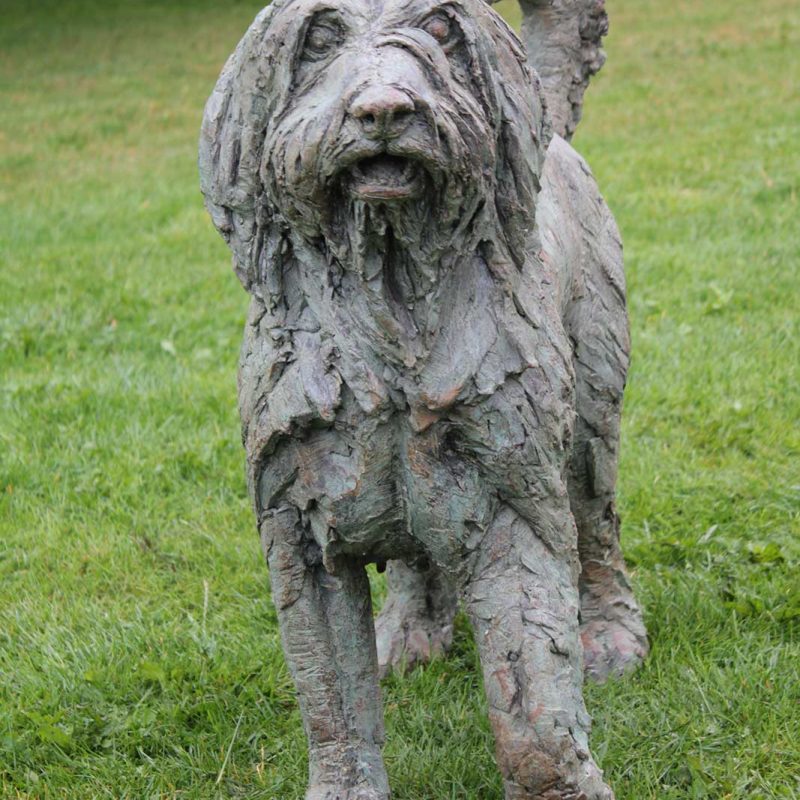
(397, 252)
(389, 258)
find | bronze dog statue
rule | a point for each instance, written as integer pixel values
(432, 368)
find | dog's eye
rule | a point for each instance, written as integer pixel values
(442, 28)
(322, 38)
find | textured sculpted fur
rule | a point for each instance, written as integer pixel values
(433, 300)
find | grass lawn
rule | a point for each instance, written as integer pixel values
(139, 656)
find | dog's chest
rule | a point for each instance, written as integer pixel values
(452, 346)
(386, 459)
(380, 490)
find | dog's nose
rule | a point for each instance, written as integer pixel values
(384, 112)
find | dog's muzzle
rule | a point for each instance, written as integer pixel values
(384, 114)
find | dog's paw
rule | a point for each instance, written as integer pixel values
(586, 783)
(327, 791)
(612, 647)
(406, 642)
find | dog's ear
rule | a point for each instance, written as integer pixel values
(232, 138)
(523, 135)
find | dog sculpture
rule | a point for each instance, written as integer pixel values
(432, 368)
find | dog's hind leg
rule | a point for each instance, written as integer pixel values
(523, 603)
(612, 629)
(416, 622)
(327, 633)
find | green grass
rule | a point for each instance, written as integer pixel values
(138, 644)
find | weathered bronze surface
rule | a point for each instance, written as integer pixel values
(433, 365)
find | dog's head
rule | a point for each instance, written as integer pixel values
(422, 113)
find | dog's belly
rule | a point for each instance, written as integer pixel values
(380, 491)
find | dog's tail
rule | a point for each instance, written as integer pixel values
(564, 43)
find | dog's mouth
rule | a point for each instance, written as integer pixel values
(385, 177)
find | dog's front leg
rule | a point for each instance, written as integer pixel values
(328, 637)
(523, 602)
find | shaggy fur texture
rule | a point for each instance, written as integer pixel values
(431, 374)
